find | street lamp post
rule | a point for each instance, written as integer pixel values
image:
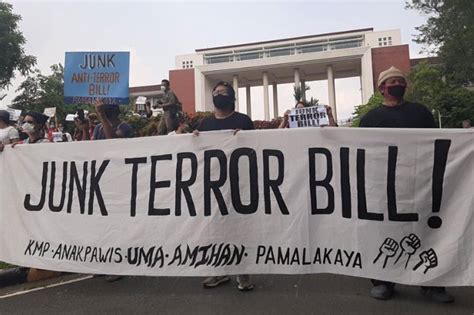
(439, 116)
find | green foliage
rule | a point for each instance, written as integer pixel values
(12, 54)
(449, 33)
(298, 92)
(374, 101)
(5, 265)
(429, 87)
(40, 91)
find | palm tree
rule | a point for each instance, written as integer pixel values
(298, 92)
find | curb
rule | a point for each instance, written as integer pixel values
(19, 275)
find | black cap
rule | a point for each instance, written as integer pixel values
(5, 116)
(38, 117)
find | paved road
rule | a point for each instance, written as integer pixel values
(275, 294)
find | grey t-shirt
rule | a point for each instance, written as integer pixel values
(122, 130)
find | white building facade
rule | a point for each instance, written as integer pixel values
(294, 60)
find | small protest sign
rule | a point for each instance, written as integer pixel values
(89, 76)
(314, 116)
(50, 111)
(141, 100)
(57, 137)
(14, 114)
(70, 117)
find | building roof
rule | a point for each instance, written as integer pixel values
(144, 88)
(287, 39)
(430, 60)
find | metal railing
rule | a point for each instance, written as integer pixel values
(286, 50)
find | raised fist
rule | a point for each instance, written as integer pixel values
(388, 248)
(428, 259)
(409, 245)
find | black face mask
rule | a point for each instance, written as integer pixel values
(397, 91)
(223, 101)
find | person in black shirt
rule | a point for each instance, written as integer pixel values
(225, 117)
(395, 112)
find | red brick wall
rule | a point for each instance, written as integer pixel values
(182, 83)
(385, 57)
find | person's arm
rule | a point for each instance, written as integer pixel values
(83, 127)
(284, 121)
(332, 121)
(109, 132)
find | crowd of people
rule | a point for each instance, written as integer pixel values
(394, 112)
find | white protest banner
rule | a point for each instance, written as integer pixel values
(313, 116)
(50, 111)
(387, 204)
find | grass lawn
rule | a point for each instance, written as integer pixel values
(5, 265)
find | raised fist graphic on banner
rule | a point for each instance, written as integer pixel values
(409, 244)
(428, 259)
(388, 248)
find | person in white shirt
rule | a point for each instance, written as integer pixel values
(8, 134)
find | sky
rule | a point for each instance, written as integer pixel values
(155, 32)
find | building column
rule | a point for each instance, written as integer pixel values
(332, 91)
(303, 91)
(297, 77)
(249, 101)
(275, 100)
(266, 104)
(236, 89)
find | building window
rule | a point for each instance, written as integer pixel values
(380, 39)
(390, 38)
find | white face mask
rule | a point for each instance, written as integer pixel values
(163, 88)
(28, 128)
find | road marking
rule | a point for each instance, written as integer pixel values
(45, 287)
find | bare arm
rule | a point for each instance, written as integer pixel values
(106, 124)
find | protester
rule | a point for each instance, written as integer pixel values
(170, 105)
(34, 127)
(225, 117)
(8, 134)
(395, 112)
(66, 136)
(110, 127)
(284, 123)
(179, 125)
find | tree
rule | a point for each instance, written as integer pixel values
(12, 54)
(449, 33)
(39, 91)
(429, 87)
(374, 101)
(300, 91)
